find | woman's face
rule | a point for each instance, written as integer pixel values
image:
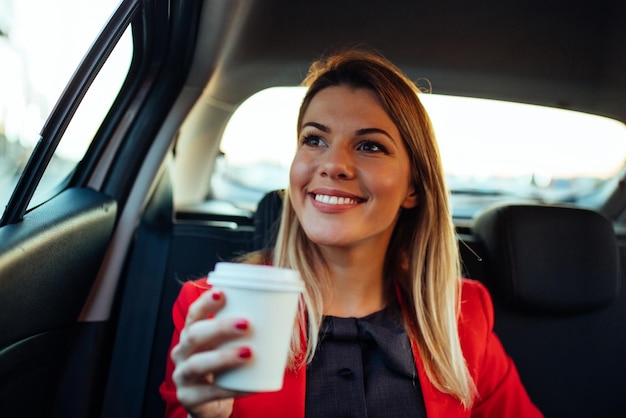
(351, 172)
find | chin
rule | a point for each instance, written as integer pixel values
(326, 239)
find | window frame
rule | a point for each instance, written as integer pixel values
(65, 108)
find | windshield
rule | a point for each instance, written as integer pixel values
(491, 150)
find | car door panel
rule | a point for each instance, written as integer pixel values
(41, 297)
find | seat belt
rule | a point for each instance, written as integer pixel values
(139, 310)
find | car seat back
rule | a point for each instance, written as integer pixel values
(560, 311)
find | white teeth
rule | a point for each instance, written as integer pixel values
(335, 200)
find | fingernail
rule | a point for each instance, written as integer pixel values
(245, 352)
(241, 325)
(216, 295)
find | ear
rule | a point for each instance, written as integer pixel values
(410, 201)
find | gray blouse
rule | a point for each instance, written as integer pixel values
(364, 367)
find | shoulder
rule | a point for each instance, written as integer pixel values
(500, 389)
(474, 290)
(476, 304)
(476, 318)
(192, 289)
(189, 292)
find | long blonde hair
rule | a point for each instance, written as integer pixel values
(422, 259)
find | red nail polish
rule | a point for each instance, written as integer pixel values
(245, 352)
(241, 325)
(216, 295)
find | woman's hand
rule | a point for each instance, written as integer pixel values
(200, 355)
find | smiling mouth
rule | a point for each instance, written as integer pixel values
(335, 200)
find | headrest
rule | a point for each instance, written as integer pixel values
(267, 219)
(550, 258)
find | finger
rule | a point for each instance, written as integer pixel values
(193, 396)
(212, 333)
(207, 335)
(205, 306)
(194, 370)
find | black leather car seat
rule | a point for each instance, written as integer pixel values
(560, 309)
(267, 219)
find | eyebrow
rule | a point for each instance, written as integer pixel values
(359, 132)
(316, 125)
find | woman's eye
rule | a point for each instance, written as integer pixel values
(313, 141)
(371, 147)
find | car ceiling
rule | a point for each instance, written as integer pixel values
(557, 53)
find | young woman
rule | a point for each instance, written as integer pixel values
(388, 328)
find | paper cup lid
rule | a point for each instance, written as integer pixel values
(255, 276)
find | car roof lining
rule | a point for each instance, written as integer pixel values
(550, 53)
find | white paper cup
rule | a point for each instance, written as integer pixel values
(268, 298)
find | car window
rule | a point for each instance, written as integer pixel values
(491, 150)
(38, 58)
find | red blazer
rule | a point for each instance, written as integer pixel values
(500, 391)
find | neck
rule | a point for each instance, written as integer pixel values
(357, 285)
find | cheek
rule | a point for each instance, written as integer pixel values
(299, 173)
(296, 183)
(394, 185)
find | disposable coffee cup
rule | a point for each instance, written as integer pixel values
(268, 298)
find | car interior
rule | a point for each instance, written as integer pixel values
(88, 277)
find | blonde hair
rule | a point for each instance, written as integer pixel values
(422, 260)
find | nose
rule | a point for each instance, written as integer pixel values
(338, 163)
